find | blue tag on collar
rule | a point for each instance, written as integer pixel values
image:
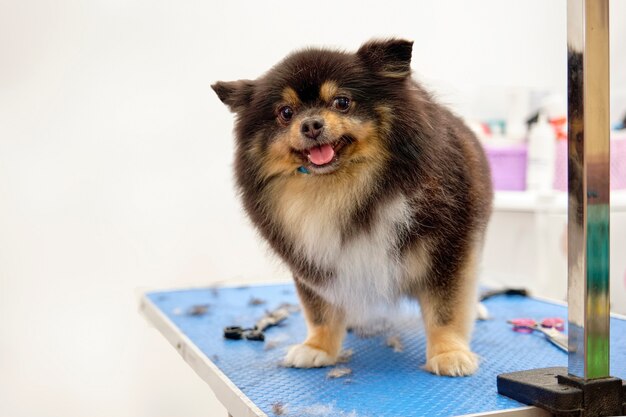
(303, 170)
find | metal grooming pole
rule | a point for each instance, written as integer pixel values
(588, 178)
(585, 387)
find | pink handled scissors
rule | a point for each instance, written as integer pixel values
(552, 327)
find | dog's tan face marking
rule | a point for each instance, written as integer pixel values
(281, 159)
(290, 97)
(328, 91)
(367, 149)
(350, 134)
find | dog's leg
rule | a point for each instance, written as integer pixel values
(326, 329)
(449, 315)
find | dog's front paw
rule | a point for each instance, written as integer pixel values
(305, 356)
(453, 363)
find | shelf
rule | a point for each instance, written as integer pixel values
(553, 202)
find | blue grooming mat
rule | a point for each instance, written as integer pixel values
(248, 379)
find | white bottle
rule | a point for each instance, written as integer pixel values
(541, 156)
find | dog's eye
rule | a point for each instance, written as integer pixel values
(341, 103)
(285, 113)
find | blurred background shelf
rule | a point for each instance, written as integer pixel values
(527, 245)
(554, 202)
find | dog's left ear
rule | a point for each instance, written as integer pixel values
(389, 58)
(235, 94)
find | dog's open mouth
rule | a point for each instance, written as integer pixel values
(320, 155)
(324, 155)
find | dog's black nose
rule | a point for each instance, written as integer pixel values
(312, 127)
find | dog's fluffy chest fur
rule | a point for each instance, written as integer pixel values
(367, 267)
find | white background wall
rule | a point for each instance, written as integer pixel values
(115, 166)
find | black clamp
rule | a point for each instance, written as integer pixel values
(271, 318)
(237, 333)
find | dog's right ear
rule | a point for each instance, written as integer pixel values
(235, 94)
(389, 58)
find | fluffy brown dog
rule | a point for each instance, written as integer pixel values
(369, 190)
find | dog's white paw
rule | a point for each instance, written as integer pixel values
(453, 363)
(305, 356)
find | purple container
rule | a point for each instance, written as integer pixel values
(508, 166)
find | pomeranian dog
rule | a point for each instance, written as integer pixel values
(369, 190)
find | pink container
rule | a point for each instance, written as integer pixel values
(618, 165)
(560, 166)
(508, 166)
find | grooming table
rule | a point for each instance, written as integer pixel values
(247, 378)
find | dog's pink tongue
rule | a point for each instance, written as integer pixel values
(321, 155)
